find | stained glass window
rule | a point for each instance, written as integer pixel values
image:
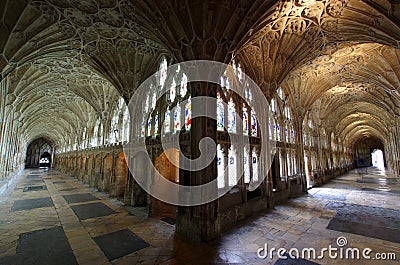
(245, 120)
(254, 126)
(183, 89)
(220, 113)
(163, 71)
(220, 168)
(167, 121)
(188, 114)
(156, 124)
(172, 91)
(232, 168)
(231, 116)
(177, 118)
(149, 131)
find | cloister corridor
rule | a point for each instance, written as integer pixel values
(48, 225)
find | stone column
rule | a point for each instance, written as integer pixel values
(199, 223)
(300, 153)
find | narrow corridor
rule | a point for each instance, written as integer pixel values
(47, 217)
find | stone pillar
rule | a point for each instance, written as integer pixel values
(300, 153)
(199, 223)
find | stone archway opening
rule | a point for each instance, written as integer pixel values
(378, 159)
(45, 160)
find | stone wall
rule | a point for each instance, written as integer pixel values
(104, 168)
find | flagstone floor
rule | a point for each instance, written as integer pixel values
(47, 217)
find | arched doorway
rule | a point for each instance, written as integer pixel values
(168, 170)
(378, 159)
(45, 160)
(39, 154)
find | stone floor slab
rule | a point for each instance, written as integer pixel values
(29, 204)
(76, 198)
(47, 246)
(35, 188)
(92, 210)
(120, 243)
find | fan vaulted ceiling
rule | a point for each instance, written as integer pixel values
(67, 62)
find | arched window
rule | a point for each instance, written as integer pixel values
(177, 118)
(172, 91)
(271, 121)
(245, 120)
(231, 116)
